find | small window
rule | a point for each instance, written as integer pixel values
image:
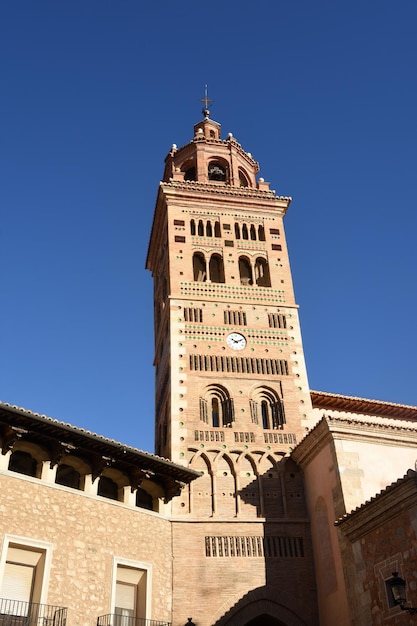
(23, 463)
(276, 246)
(274, 231)
(179, 239)
(108, 488)
(179, 223)
(143, 499)
(67, 476)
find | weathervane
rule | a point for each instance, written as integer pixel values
(206, 101)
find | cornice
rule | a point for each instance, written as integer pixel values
(337, 402)
(330, 429)
(397, 498)
(222, 189)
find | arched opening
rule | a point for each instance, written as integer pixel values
(200, 228)
(209, 230)
(216, 269)
(68, 476)
(190, 174)
(192, 227)
(199, 267)
(217, 229)
(189, 170)
(108, 488)
(245, 271)
(144, 500)
(215, 412)
(265, 414)
(261, 233)
(23, 463)
(264, 620)
(243, 180)
(237, 231)
(217, 171)
(262, 276)
(245, 234)
(252, 232)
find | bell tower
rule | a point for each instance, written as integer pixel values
(232, 395)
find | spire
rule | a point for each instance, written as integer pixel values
(206, 101)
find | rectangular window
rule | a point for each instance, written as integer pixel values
(179, 239)
(229, 243)
(226, 226)
(276, 246)
(24, 573)
(274, 231)
(179, 223)
(131, 597)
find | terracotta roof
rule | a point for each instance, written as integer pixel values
(42, 426)
(352, 404)
(410, 475)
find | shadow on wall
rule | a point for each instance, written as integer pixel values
(289, 595)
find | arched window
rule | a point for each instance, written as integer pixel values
(108, 488)
(262, 277)
(216, 171)
(144, 499)
(261, 233)
(245, 234)
(199, 267)
(216, 407)
(192, 227)
(23, 463)
(245, 271)
(217, 229)
(237, 231)
(209, 231)
(68, 476)
(267, 408)
(243, 181)
(188, 168)
(200, 228)
(252, 232)
(216, 269)
(190, 174)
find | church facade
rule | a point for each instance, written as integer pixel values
(265, 510)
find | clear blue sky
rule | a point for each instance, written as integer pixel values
(94, 93)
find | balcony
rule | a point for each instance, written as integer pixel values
(125, 620)
(17, 613)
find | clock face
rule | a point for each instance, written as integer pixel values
(236, 341)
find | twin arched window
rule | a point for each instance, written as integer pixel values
(260, 270)
(216, 407)
(267, 409)
(215, 268)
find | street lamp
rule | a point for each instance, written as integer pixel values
(396, 586)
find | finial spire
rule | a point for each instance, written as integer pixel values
(206, 101)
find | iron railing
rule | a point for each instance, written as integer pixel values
(17, 613)
(125, 620)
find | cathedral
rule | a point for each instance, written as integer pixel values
(266, 503)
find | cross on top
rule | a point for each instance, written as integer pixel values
(206, 101)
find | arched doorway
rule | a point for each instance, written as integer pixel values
(264, 620)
